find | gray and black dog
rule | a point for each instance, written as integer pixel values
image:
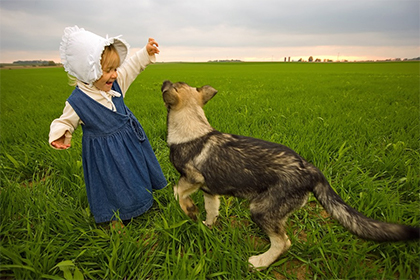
(273, 177)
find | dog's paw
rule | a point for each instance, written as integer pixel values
(264, 260)
(206, 224)
(257, 263)
(210, 226)
(209, 222)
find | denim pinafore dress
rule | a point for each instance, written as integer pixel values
(119, 164)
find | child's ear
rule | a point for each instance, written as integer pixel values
(207, 93)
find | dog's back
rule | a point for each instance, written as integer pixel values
(245, 167)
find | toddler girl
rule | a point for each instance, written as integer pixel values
(120, 167)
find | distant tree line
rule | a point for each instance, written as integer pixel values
(225, 60)
(311, 59)
(35, 62)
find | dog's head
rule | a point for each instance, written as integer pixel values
(179, 95)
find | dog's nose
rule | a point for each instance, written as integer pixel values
(166, 85)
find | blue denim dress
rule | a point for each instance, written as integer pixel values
(119, 164)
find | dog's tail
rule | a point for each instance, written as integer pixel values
(356, 222)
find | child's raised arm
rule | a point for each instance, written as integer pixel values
(134, 65)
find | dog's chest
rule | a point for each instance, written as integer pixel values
(184, 153)
(181, 154)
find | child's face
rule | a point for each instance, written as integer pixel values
(109, 75)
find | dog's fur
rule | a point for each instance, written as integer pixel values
(274, 178)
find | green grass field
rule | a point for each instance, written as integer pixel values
(358, 122)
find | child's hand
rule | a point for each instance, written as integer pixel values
(151, 47)
(59, 143)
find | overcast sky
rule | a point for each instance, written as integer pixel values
(202, 30)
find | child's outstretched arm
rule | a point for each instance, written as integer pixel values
(61, 129)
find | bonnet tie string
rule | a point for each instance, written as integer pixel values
(113, 94)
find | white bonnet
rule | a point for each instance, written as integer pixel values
(81, 52)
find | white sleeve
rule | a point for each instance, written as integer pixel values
(64, 125)
(132, 67)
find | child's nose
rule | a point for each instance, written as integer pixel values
(114, 74)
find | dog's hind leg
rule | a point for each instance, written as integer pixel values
(280, 243)
(212, 204)
(182, 192)
(270, 214)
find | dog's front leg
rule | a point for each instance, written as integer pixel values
(182, 193)
(212, 204)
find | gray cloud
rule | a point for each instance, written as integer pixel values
(37, 25)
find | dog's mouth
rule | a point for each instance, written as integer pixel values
(166, 85)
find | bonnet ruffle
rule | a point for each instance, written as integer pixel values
(81, 53)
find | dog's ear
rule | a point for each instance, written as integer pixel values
(207, 93)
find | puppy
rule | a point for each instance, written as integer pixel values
(274, 178)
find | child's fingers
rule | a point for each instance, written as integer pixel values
(153, 42)
(152, 47)
(153, 50)
(60, 146)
